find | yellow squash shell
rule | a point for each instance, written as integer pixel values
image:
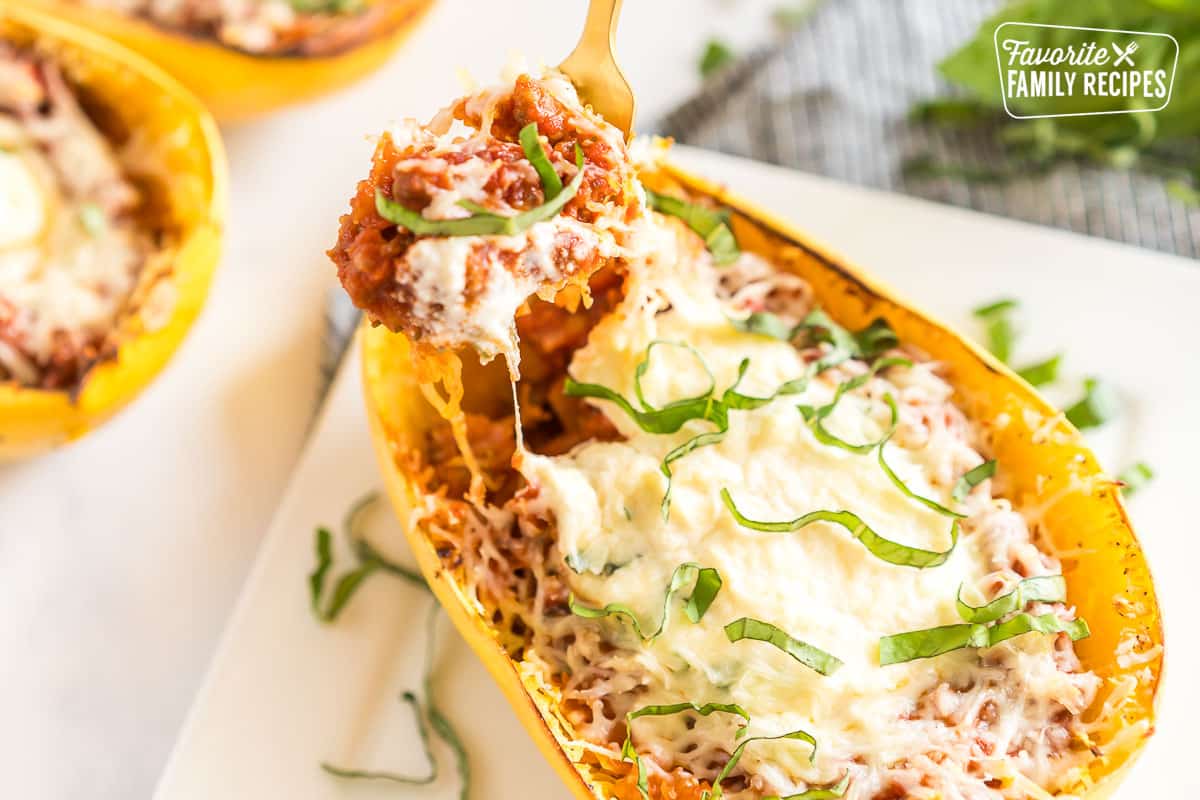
(234, 84)
(1043, 465)
(181, 160)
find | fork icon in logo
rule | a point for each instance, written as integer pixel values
(1124, 55)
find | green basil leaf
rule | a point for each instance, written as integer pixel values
(668, 419)
(816, 420)
(1045, 623)
(438, 721)
(316, 579)
(716, 56)
(764, 323)
(1043, 372)
(812, 657)
(368, 554)
(899, 484)
(551, 208)
(643, 366)
(876, 339)
(532, 145)
(628, 753)
(482, 223)
(901, 647)
(825, 793)
(1040, 589)
(973, 478)
(696, 442)
(1098, 405)
(883, 549)
(711, 226)
(704, 591)
(817, 326)
(432, 719)
(369, 561)
(736, 756)
(478, 225)
(393, 777)
(999, 328)
(345, 589)
(998, 307)
(932, 642)
(1135, 477)
(816, 415)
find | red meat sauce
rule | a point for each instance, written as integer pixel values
(370, 253)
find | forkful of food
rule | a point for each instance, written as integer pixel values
(451, 234)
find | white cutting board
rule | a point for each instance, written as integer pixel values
(285, 692)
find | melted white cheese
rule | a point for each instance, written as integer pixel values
(818, 584)
(70, 279)
(22, 207)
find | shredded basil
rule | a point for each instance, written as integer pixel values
(736, 756)
(440, 723)
(668, 418)
(393, 777)
(1098, 405)
(695, 443)
(1135, 477)
(643, 366)
(932, 642)
(1043, 372)
(532, 145)
(1043, 623)
(428, 718)
(881, 548)
(876, 339)
(704, 591)
(812, 657)
(817, 327)
(716, 56)
(628, 753)
(672, 416)
(316, 579)
(764, 323)
(825, 793)
(708, 585)
(369, 561)
(997, 307)
(999, 328)
(902, 647)
(815, 417)
(481, 222)
(711, 226)
(973, 478)
(1040, 589)
(899, 484)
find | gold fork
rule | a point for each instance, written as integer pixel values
(592, 67)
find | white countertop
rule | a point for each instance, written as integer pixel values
(120, 556)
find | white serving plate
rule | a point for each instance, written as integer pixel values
(284, 692)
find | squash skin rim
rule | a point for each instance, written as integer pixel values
(236, 85)
(33, 420)
(380, 347)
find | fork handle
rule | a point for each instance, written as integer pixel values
(600, 28)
